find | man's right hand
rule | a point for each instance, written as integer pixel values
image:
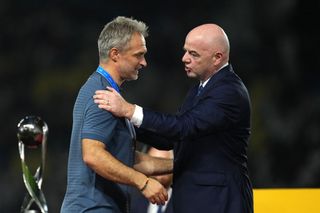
(155, 192)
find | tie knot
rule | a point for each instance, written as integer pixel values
(200, 89)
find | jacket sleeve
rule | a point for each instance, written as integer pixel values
(217, 110)
(154, 140)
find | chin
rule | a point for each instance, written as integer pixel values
(191, 75)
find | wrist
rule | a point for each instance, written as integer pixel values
(130, 111)
(145, 185)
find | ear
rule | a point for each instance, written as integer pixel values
(114, 54)
(218, 58)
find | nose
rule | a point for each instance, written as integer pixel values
(185, 58)
(143, 62)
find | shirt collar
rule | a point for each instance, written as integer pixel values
(203, 84)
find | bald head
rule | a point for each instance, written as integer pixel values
(206, 51)
(211, 37)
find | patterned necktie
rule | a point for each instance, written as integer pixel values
(199, 90)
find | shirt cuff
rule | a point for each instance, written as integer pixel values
(137, 116)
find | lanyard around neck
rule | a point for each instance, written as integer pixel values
(107, 76)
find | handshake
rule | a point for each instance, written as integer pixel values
(154, 188)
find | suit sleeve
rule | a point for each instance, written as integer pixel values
(154, 139)
(217, 110)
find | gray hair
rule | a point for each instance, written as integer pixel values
(118, 33)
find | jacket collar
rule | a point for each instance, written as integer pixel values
(218, 76)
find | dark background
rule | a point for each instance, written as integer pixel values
(49, 48)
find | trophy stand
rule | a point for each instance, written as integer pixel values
(32, 133)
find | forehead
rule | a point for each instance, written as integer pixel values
(198, 43)
(137, 43)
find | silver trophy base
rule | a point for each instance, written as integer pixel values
(31, 211)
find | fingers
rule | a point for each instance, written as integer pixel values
(102, 103)
(111, 101)
(99, 92)
(102, 97)
(98, 100)
(156, 200)
(159, 199)
(106, 94)
(156, 193)
(163, 198)
(103, 93)
(109, 89)
(102, 100)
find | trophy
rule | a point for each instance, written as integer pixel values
(32, 134)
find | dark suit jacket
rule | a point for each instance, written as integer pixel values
(209, 136)
(139, 204)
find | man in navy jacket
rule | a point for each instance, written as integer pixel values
(209, 134)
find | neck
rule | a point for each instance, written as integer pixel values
(214, 72)
(112, 72)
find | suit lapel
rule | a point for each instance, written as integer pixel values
(189, 100)
(181, 148)
(215, 78)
